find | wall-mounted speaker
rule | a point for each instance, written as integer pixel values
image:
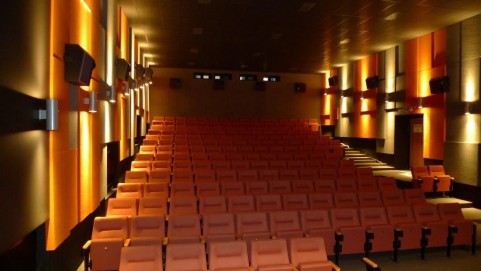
(139, 71)
(175, 83)
(148, 72)
(372, 82)
(300, 87)
(260, 86)
(78, 65)
(333, 81)
(219, 84)
(123, 69)
(439, 84)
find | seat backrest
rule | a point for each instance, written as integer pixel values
(183, 225)
(110, 227)
(256, 188)
(371, 216)
(231, 188)
(182, 257)
(296, 164)
(346, 183)
(345, 217)
(308, 174)
(247, 175)
(277, 164)
(183, 205)
(321, 200)
(226, 175)
(129, 190)
(228, 255)
(393, 197)
(419, 171)
(284, 221)
(367, 184)
(251, 223)
(268, 202)
(328, 174)
(156, 190)
(364, 172)
(302, 186)
(122, 207)
(259, 164)
(145, 156)
(212, 204)
(182, 189)
(141, 166)
(136, 176)
(153, 206)
(166, 165)
(268, 175)
(425, 213)
(298, 201)
(387, 183)
(315, 220)
(241, 203)
(290, 174)
(280, 186)
(160, 175)
(220, 164)
(204, 175)
(207, 189)
(346, 171)
(369, 198)
(450, 211)
(218, 224)
(307, 250)
(147, 226)
(182, 175)
(400, 214)
(269, 252)
(436, 170)
(414, 196)
(345, 199)
(146, 258)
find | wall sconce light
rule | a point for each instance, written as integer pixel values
(50, 114)
(126, 90)
(386, 98)
(108, 93)
(362, 95)
(139, 71)
(91, 101)
(420, 102)
(467, 108)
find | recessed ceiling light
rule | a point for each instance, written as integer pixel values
(197, 30)
(344, 41)
(306, 7)
(391, 17)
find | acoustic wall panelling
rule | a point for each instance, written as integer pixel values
(365, 101)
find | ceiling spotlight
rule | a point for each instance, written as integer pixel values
(344, 41)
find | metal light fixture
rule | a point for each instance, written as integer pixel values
(467, 108)
(420, 102)
(50, 114)
(91, 101)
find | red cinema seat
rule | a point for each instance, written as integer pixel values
(160, 176)
(147, 230)
(367, 184)
(122, 207)
(369, 199)
(414, 196)
(386, 183)
(204, 175)
(345, 199)
(350, 235)
(295, 201)
(393, 197)
(379, 232)
(268, 202)
(270, 255)
(257, 188)
(444, 182)
(285, 224)
(318, 223)
(153, 206)
(183, 206)
(232, 188)
(422, 179)
(136, 176)
(435, 230)
(252, 226)
(129, 190)
(461, 230)
(146, 258)
(407, 231)
(212, 205)
(247, 175)
(321, 200)
(204, 189)
(185, 257)
(309, 254)
(228, 255)
(182, 189)
(218, 227)
(183, 229)
(280, 187)
(156, 190)
(241, 203)
(302, 186)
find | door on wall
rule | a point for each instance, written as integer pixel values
(408, 141)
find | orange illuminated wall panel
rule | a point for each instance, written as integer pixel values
(365, 100)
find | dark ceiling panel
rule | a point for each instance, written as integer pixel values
(273, 35)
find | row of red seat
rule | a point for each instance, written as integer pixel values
(303, 254)
(203, 189)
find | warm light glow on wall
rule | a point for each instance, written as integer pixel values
(364, 104)
(470, 84)
(85, 27)
(345, 76)
(424, 77)
(472, 132)
(86, 6)
(85, 165)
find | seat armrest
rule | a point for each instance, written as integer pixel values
(86, 246)
(127, 242)
(335, 267)
(370, 265)
(86, 254)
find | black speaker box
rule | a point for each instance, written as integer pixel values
(175, 83)
(260, 86)
(149, 73)
(372, 82)
(123, 69)
(300, 87)
(333, 81)
(139, 71)
(439, 84)
(219, 84)
(78, 65)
